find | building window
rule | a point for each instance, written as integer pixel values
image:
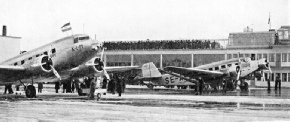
(241, 55)
(266, 76)
(272, 77)
(288, 77)
(280, 33)
(288, 57)
(76, 40)
(265, 56)
(22, 62)
(286, 35)
(284, 77)
(259, 56)
(277, 75)
(272, 57)
(247, 55)
(235, 55)
(284, 57)
(229, 56)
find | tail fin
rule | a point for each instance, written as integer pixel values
(150, 70)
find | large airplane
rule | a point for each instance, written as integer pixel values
(213, 73)
(60, 60)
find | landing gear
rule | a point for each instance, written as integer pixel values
(30, 91)
(98, 96)
(150, 86)
(244, 86)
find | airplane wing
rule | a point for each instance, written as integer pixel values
(120, 68)
(7, 70)
(193, 71)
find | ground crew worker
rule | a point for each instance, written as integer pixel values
(92, 88)
(277, 83)
(269, 84)
(40, 87)
(56, 87)
(119, 85)
(73, 86)
(104, 86)
(201, 83)
(224, 85)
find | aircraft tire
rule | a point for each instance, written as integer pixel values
(99, 96)
(150, 86)
(30, 91)
(80, 92)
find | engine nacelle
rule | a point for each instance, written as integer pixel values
(93, 66)
(40, 65)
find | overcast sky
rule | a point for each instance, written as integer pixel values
(39, 21)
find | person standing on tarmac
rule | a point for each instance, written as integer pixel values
(40, 87)
(92, 88)
(224, 85)
(201, 83)
(56, 87)
(119, 85)
(277, 83)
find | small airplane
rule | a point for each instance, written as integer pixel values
(151, 77)
(55, 62)
(213, 73)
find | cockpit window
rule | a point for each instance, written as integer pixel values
(80, 39)
(84, 38)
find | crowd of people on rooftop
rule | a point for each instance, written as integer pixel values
(161, 44)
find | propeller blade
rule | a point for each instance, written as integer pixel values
(102, 54)
(106, 73)
(239, 73)
(270, 69)
(55, 72)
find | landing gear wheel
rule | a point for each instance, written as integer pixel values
(30, 91)
(150, 86)
(98, 96)
(80, 92)
(244, 87)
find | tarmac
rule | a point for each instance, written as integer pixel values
(139, 103)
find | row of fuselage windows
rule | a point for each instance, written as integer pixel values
(285, 57)
(221, 67)
(30, 58)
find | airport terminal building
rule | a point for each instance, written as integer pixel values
(273, 45)
(10, 45)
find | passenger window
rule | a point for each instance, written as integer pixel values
(45, 53)
(236, 63)
(229, 65)
(223, 66)
(210, 69)
(76, 40)
(22, 62)
(30, 58)
(216, 68)
(37, 55)
(53, 50)
(15, 64)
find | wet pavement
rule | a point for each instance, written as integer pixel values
(139, 103)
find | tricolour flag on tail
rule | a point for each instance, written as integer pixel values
(66, 27)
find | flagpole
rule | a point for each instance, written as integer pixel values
(270, 20)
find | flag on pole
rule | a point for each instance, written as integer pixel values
(66, 27)
(269, 20)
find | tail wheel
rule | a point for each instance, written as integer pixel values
(150, 86)
(99, 96)
(30, 91)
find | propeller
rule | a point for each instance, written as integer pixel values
(102, 60)
(238, 69)
(50, 61)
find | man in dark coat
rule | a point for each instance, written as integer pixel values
(278, 83)
(201, 83)
(56, 87)
(119, 85)
(92, 88)
(40, 87)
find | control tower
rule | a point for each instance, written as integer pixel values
(10, 45)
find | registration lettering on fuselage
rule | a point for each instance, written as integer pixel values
(78, 47)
